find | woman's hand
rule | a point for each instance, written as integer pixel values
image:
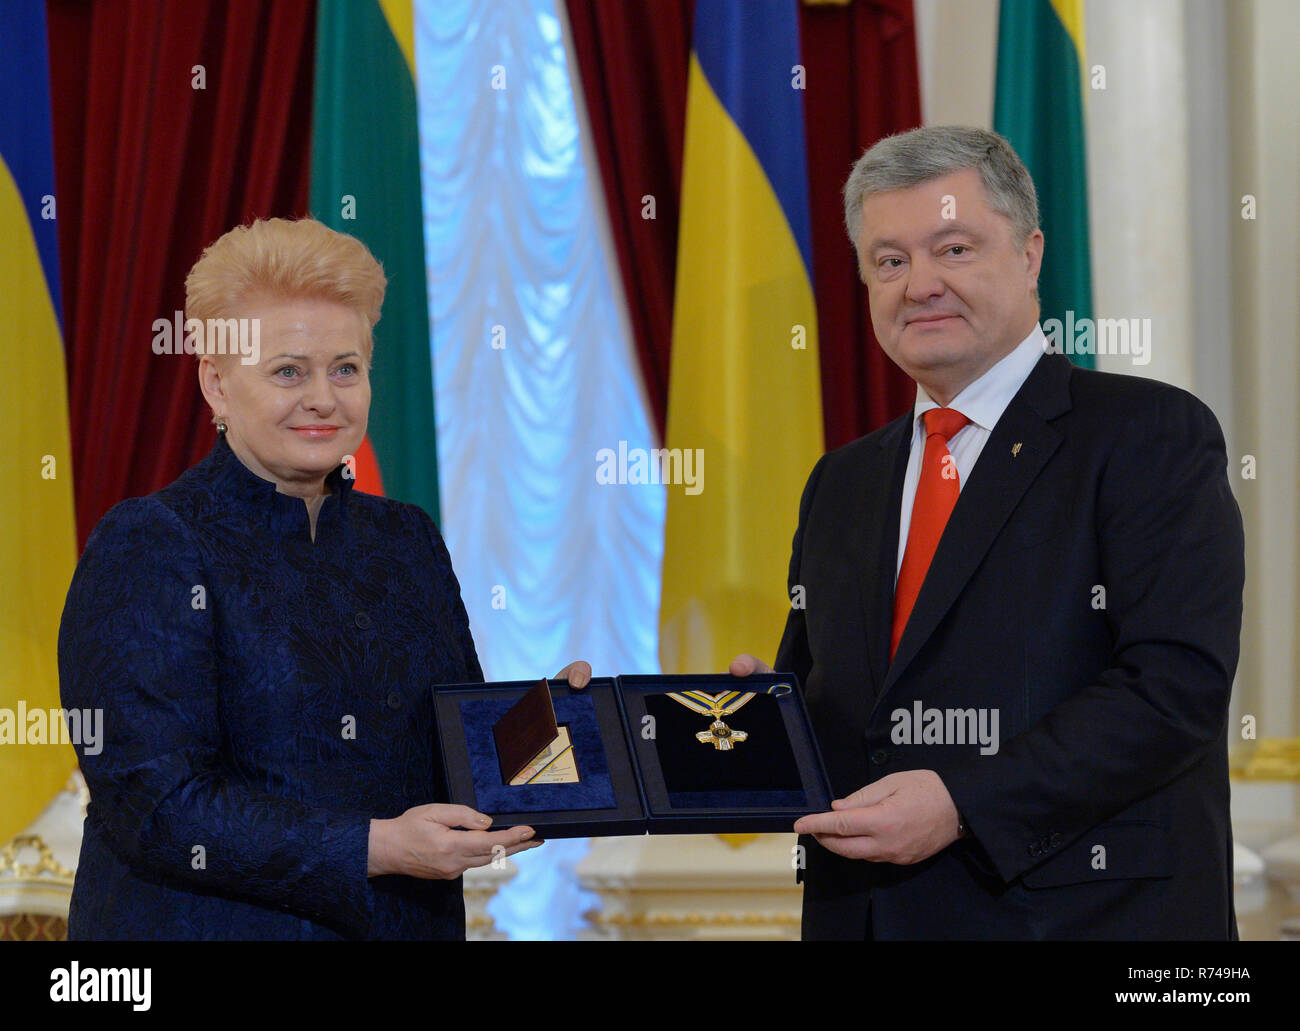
(578, 674)
(424, 842)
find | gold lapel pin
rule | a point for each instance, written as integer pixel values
(1015, 448)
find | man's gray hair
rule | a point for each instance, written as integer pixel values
(914, 157)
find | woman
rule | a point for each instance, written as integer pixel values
(262, 640)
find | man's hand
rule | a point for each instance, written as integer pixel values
(903, 818)
(578, 674)
(745, 664)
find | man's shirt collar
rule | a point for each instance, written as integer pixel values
(984, 400)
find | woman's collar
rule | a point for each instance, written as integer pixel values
(237, 479)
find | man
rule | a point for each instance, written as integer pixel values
(1022, 601)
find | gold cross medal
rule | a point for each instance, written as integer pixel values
(721, 736)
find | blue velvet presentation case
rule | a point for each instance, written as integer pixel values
(641, 768)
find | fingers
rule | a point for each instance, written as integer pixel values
(457, 816)
(744, 664)
(852, 833)
(819, 823)
(843, 823)
(428, 845)
(482, 843)
(578, 674)
(869, 794)
(525, 847)
(853, 847)
(500, 853)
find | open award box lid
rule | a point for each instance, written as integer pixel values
(634, 754)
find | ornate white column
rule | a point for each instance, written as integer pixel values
(481, 885)
(1138, 220)
(37, 868)
(957, 51)
(692, 886)
(1264, 259)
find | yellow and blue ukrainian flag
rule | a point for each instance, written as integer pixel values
(38, 541)
(744, 385)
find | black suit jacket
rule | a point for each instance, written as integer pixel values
(1104, 812)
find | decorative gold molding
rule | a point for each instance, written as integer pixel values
(45, 865)
(737, 840)
(690, 919)
(1273, 758)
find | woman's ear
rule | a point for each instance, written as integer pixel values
(210, 383)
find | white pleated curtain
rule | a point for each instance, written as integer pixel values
(535, 372)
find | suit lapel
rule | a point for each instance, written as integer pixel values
(996, 485)
(881, 493)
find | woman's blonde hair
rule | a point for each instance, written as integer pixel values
(285, 258)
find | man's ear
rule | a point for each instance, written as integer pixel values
(1034, 255)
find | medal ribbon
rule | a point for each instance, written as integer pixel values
(709, 704)
(554, 759)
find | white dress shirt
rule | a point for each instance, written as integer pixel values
(982, 402)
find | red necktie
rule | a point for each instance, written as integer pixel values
(936, 494)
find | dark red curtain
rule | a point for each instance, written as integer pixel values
(862, 85)
(633, 60)
(172, 123)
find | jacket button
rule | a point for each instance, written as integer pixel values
(880, 757)
(394, 700)
(362, 621)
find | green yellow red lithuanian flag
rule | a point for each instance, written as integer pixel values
(365, 181)
(1039, 108)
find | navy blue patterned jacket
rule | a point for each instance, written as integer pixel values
(264, 697)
